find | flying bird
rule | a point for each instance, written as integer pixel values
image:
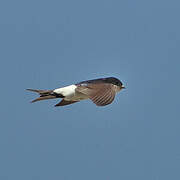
(101, 91)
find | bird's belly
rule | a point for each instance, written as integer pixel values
(70, 93)
(76, 97)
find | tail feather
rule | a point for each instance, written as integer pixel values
(43, 98)
(41, 92)
(44, 94)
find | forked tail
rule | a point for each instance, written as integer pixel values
(45, 94)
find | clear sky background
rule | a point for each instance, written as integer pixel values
(49, 44)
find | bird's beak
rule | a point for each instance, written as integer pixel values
(123, 87)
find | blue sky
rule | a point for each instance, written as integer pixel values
(50, 44)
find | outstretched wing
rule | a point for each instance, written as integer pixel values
(100, 93)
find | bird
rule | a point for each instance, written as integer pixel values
(100, 91)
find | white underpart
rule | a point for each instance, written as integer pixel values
(70, 93)
(117, 88)
(66, 91)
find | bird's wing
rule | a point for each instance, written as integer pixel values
(64, 102)
(101, 93)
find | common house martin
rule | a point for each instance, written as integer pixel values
(100, 91)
